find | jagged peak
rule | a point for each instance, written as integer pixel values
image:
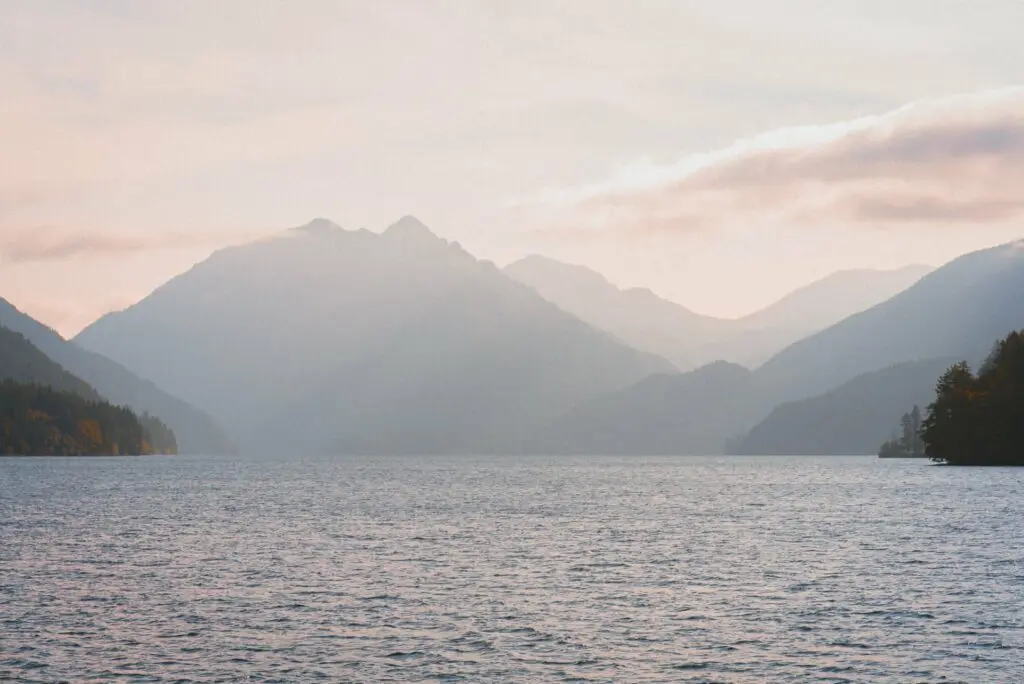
(409, 227)
(536, 260)
(320, 225)
(534, 263)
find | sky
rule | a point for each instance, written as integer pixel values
(719, 152)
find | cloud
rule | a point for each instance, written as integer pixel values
(51, 244)
(953, 161)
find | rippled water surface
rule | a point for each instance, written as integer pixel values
(510, 569)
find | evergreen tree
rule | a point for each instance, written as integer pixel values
(41, 421)
(979, 420)
(916, 444)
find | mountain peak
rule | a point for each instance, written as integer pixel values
(319, 225)
(534, 266)
(409, 227)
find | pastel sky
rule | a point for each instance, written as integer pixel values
(720, 152)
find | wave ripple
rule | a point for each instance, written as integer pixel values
(509, 569)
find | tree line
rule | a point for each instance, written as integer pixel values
(909, 443)
(38, 420)
(976, 419)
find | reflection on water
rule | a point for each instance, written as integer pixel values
(510, 569)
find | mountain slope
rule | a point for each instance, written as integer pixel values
(955, 311)
(645, 321)
(636, 316)
(44, 410)
(835, 297)
(689, 414)
(349, 341)
(195, 431)
(22, 362)
(854, 418)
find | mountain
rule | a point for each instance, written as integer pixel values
(688, 414)
(38, 420)
(42, 409)
(854, 418)
(22, 362)
(636, 316)
(323, 339)
(831, 299)
(652, 324)
(955, 311)
(195, 431)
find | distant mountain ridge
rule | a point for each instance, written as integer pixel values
(323, 339)
(688, 414)
(827, 301)
(852, 419)
(870, 364)
(688, 339)
(195, 431)
(957, 310)
(636, 316)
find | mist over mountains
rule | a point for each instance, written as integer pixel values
(688, 339)
(957, 310)
(831, 391)
(325, 340)
(848, 420)
(196, 432)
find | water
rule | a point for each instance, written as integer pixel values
(510, 570)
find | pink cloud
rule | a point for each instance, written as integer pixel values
(953, 162)
(50, 244)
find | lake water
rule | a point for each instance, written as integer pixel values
(510, 570)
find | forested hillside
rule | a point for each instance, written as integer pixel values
(36, 420)
(44, 410)
(21, 361)
(196, 431)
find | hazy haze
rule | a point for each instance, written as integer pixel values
(694, 148)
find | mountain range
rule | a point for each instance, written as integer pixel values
(323, 339)
(320, 339)
(688, 339)
(958, 310)
(854, 373)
